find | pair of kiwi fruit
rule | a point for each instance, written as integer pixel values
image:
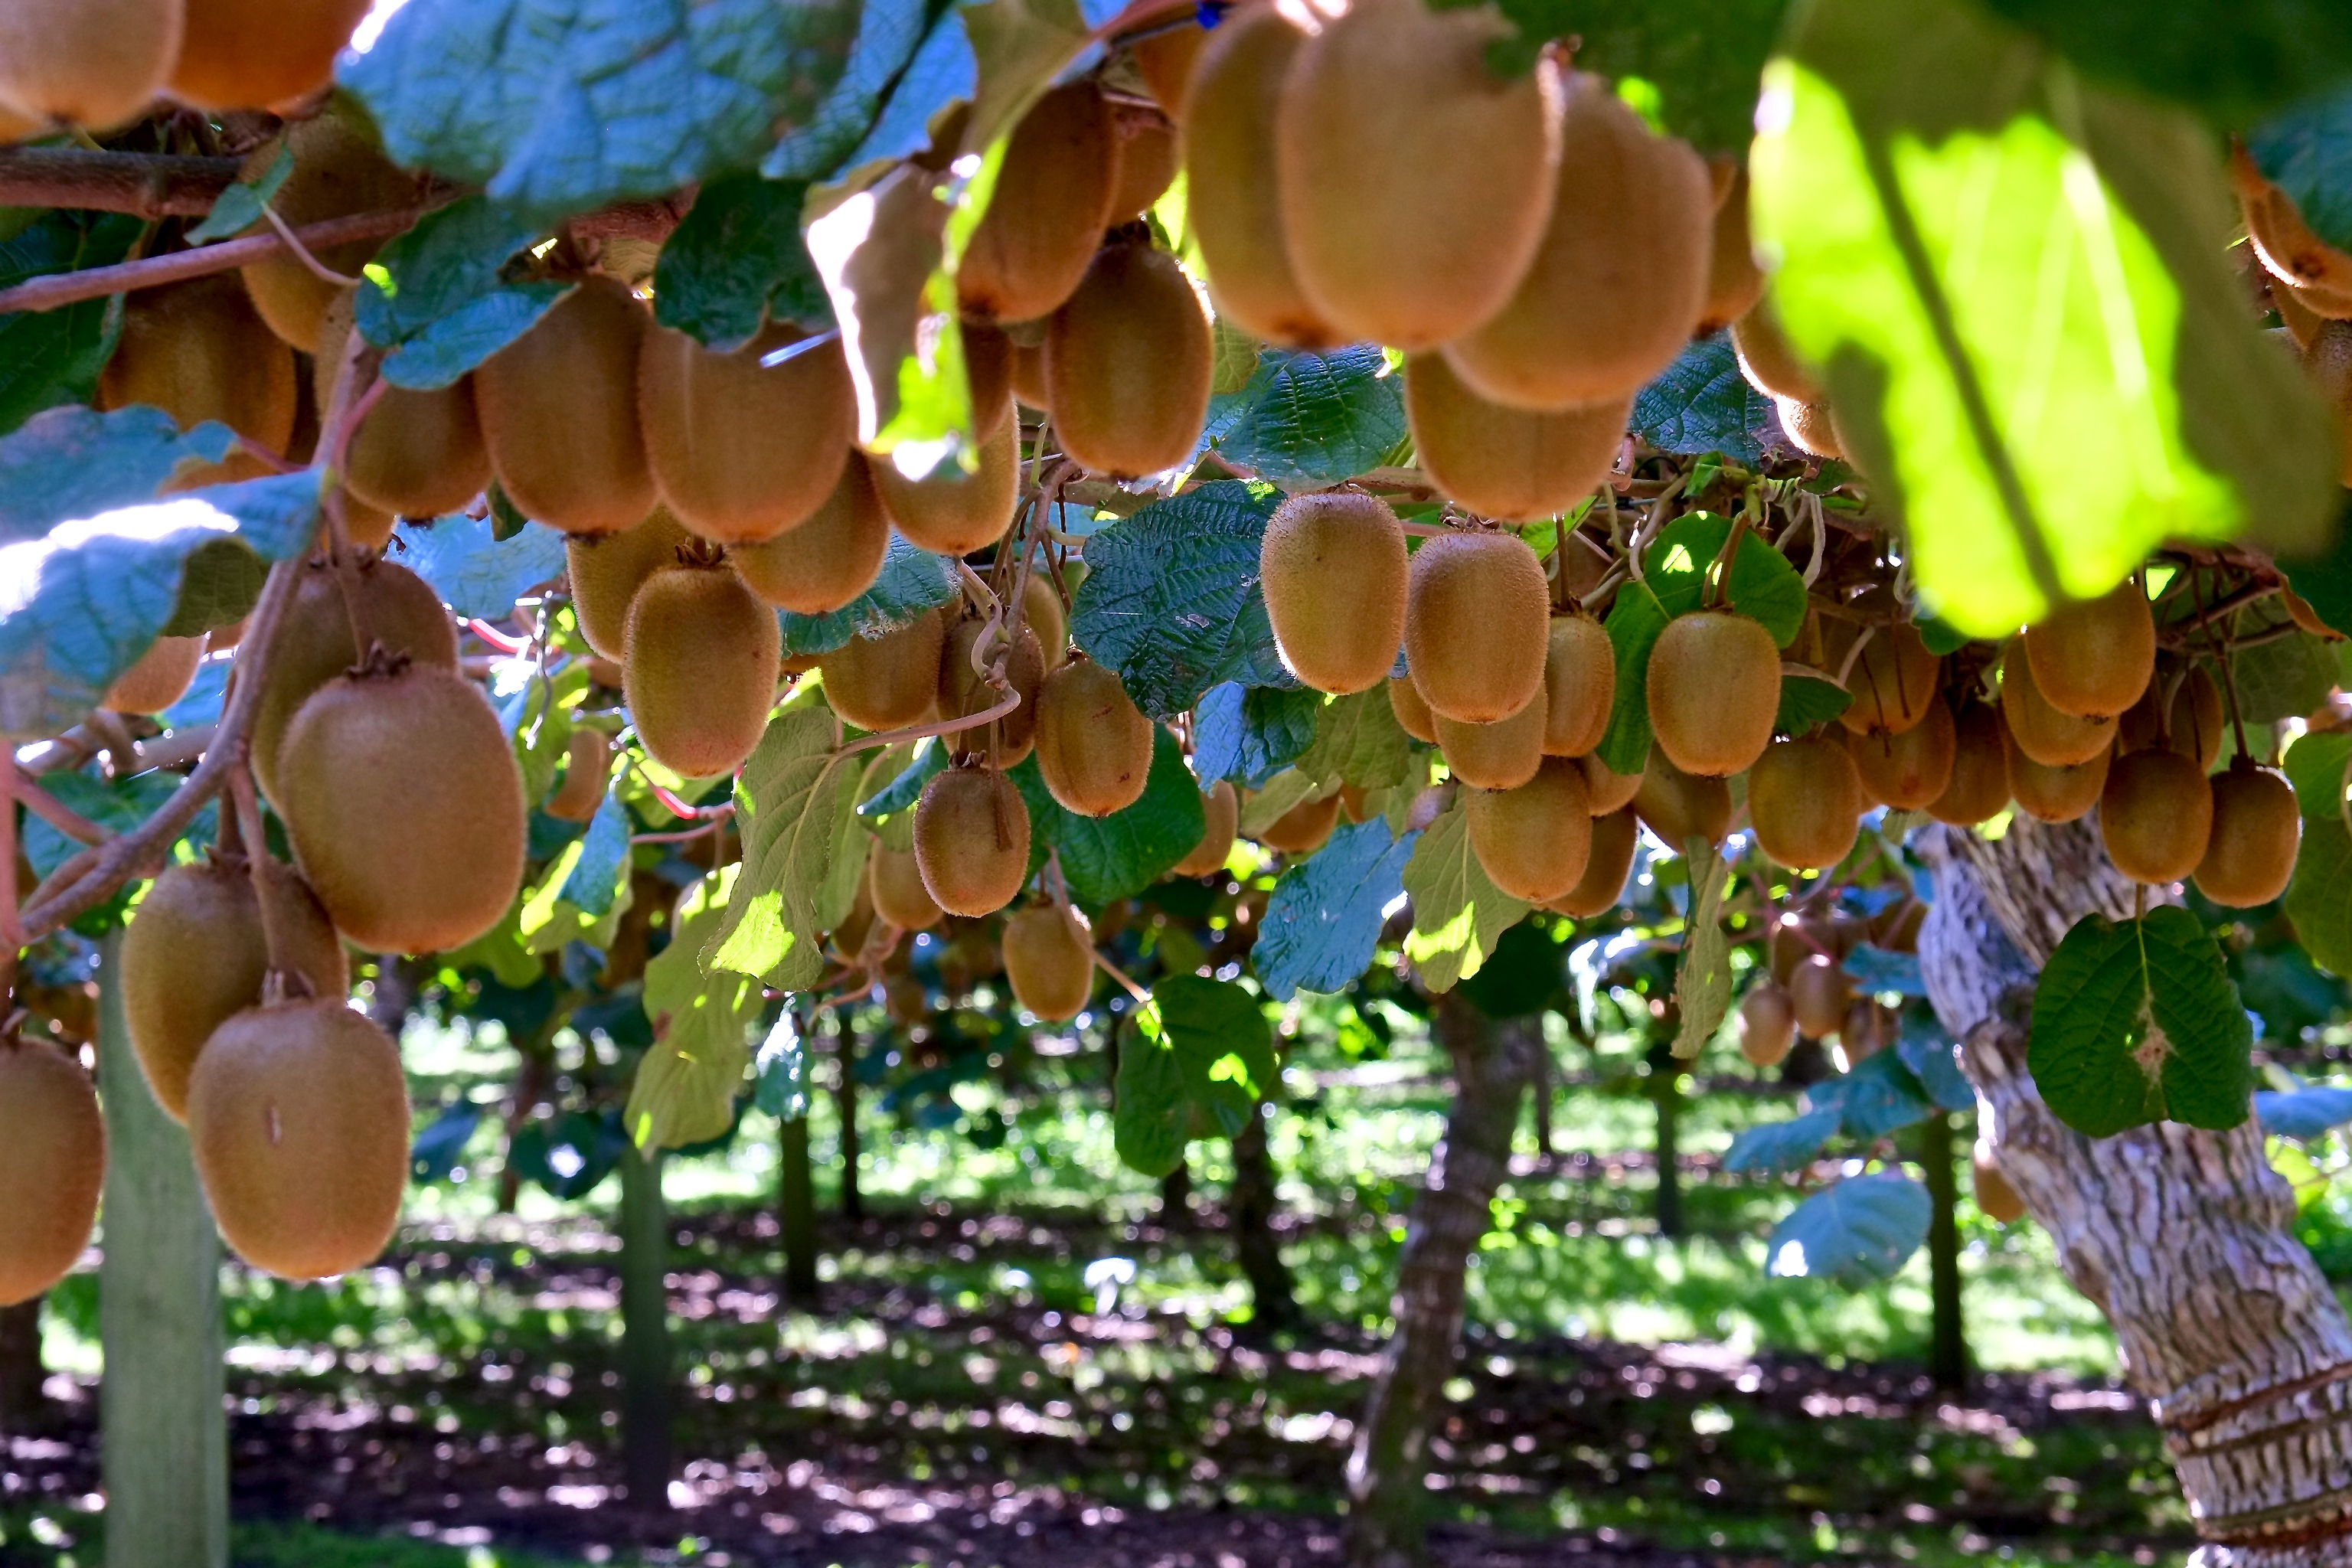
(98, 63)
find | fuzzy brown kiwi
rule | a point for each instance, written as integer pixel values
(1610, 789)
(559, 412)
(87, 62)
(1768, 1025)
(2055, 740)
(1515, 465)
(1477, 624)
(988, 375)
(1714, 689)
(416, 454)
(1615, 835)
(1978, 786)
(2052, 794)
(972, 840)
(197, 351)
(2092, 659)
(2257, 829)
(588, 764)
(1580, 685)
(1996, 1199)
(1911, 770)
(1051, 204)
(607, 570)
(1166, 61)
(1304, 828)
(1094, 745)
(159, 677)
(1820, 992)
(1535, 839)
(1678, 807)
(1147, 160)
(244, 53)
(339, 170)
(1412, 715)
(895, 884)
(743, 451)
(2156, 816)
(949, 512)
(1501, 756)
(299, 1117)
(52, 1166)
(404, 858)
(2281, 237)
(1805, 801)
(1414, 228)
(1769, 361)
(1128, 364)
(1734, 282)
(1893, 680)
(1049, 961)
(1027, 371)
(889, 681)
(1811, 427)
(1333, 568)
(1616, 286)
(1042, 611)
(827, 561)
(194, 955)
(964, 692)
(700, 668)
(1221, 811)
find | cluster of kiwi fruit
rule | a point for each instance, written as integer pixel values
(95, 64)
(1803, 989)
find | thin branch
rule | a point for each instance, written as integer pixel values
(145, 185)
(57, 813)
(1142, 997)
(922, 732)
(57, 289)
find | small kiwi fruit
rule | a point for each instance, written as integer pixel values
(1893, 680)
(1996, 1199)
(949, 512)
(1412, 715)
(1221, 811)
(1042, 611)
(1609, 788)
(2052, 794)
(197, 351)
(338, 171)
(404, 858)
(1805, 801)
(1147, 159)
(1333, 569)
(972, 840)
(895, 884)
(1051, 206)
(1978, 786)
(1515, 465)
(887, 682)
(1767, 1024)
(1615, 835)
(1027, 371)
(1909, 771)
(827, 561)
(157, 677)
(1304, 828)
(1534, 840)
(1049, 961)
(588, 764)
(2092, 659)
(743, 451)
(299, 1117)
(606, 570)
(1810, 428)
(52, 1165)
(1820, 992)
(2257, 829)
(1769, 361)
(1504, 754)
(2055, 740)
(239, 54)
(1128, 364)
(87, 62)
(1679, 805)
(1714, 690)
(1477, 621)
(416, 454)
(700, 668)
(962, 693)
(2156, 816)
(559, 412)
(1734, 282)
(2195, 730)
(1094, 745)
(1167, 59)
(1580, 685)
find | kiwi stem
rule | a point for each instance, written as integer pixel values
(920, 731)
(1719, 581)
(11, 926)
(2218, 641)
(57, 813)
(356, 391)
(1853, 655)
(317, 268)
(268, 891)
(1142, 997)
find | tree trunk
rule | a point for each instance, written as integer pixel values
(1666, 1078)
(1542, 1091)
(645, 1333)
(1273, 1301)
(2181, 1236)
(1948, 1357)
(796, 1211)
(24, 1409)
(1388, 1470)
(1176, 1197)
(845, 1096)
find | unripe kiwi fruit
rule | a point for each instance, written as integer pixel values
(1042, 611)
(1049, 962)
(2055, 740)
(889, 681)
(1412, 228)
(1609, 788)
(2156, 816)
(1221, 811)
(588, 763)
(962, 691)
(1893, 680)
(827, 561)
(1734, 282)
(1478, 622)
(1147, 158)
(1304, 828)
(740, 450)
(2257, 829)
(416, 454)
(606, 570)
(197, 351)
(1811, 426)
(1094, 745)
(949, 512)
(299, 1117)
(1515, 465)
(1769, 361)
(2052, 794)
(1580, 685)
(1501, 756)
(1333, 569)
(1820, 991)
(52, 1167)
(1805, 801)
(972, 840)
(1978, 786)
(559, 411)
(159, 677)
(2197, 719)
(895, 884)
(405, 859)
(1615, 835)
(1412, 715)
(1128, 364)
(1051, 206)
(1714, 690)
(339, 170)
(238, 54)
(1616, 284)
(1166, 61)
(1996, 1199)
(2092, 659)
(700, 668)
(1534, 840)
(87, 62)
(1911, 770)
(1767, 1024)
(1679, 805)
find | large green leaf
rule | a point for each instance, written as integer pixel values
(1248, 734)
(1198, 1044)
(1115, 856)
(1308, 420)
(2319, 898)
(1860, 1229)
(1702, 402)
(1459, 913)
(2230, 61)
(436, 298)
(1703, 977)
(476, 572)
(888, 33)
(684, 1091)
(1695, 61)
(53, 357)
(737, 259)
(2314, 766)
(793, 803)
(1323, 922)
(1358, 741)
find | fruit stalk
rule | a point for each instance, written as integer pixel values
(145, 185)
(276, 932)
(57, 813)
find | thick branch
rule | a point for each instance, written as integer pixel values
(145, 185)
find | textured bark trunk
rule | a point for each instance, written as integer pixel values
(1273, 1301)
(1176, 1197)
(1665, 1074)
(1388, 1470)
(845, 1099)
(796, 1211)
(24, 1409)
(1539, 1090)
(1947, 1355)
(645, 1438)
(2181, 1236)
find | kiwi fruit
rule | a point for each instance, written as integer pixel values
(1734, 282)
(238, 54)
(951, 512)
(1051, 206)
(1128, 364)
(1893, 680)
(1231, 203)
(1714, 690)
(1221, 811)
(1027, 371)
(1580, 685)
(2052, 794)
(2156, 816)
(1147, 160)
(827, 561)
(1049, 961)
(1978, 786)
(588, 764)
(1304, 828)
(559, 412)
(1094, 745)
(52, 1166)
(1615, 835)
(962, 693)
(2042, 733)
(1679, 805)
(988, 375)
(700, 669)
(1767, 1025)
(741, 451)
(2282, 238)
(895, 884)
(366, 527)
(194, 955)
(1412, 228)
(197, 351)
(1166, 61)
(2257, 829)
(1042, 612)
(87, 62)
(1864, 1033)
(2092, 659)
(1769, 361)
(2328, 364)
(1333, 569)
(1535, 838)
(1805, 801)
(416, 454)
(1617, 284)
(606, 570)
(1820, 992)
(159, 677)
(889, 681)
(1810, 428)
(1501, 756)
(1515, 465)
(1477, 621)
(972, 840)
(404, 858)
(339, 170)
(1996, 1199)
(1610, 789)
(1412, 715)
(299, 1117)
(1909, 771)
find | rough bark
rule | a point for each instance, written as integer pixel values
(1387, 1470)
(796, 1211)
(845, 1098)
(1274, 1300)
(24, 1409)
(2181, 1236)
(645, 1437)
(1947, 1355)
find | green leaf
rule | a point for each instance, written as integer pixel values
(913, 583)
(929, 760)
(1459, 913)
(1860, 1229)
(888, 33)
(684, 1091)
(1702, 404)
(1323, 922)
(1879, 1096)
(738, 258)
(77, 463)
(1308, 420)
(1152, 1118)
(2041, 399)
(1776, 1148)
(437, 300)
(1119, 856)
(2314, 766)
(2319, 898)
(2231, 61)
(2324, 579)
(1199, 1044)
(1807, 701)
(1521, 976)
(792, 803)
(49, 358)
(118, 806)
(240, 206)
(220, 582)
(600, 875)
(1282, 793)
(549, 922)
(1940, 636)
(1358, 741)
(943, 74)
(1703, 977)
(1247, 733)
(2286, 679)
(476, 573)
(1698, 59)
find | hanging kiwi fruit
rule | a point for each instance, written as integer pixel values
(1534, 840)
(93, 63)
(240, 55)
(606, 569)
(1304, 828)
(964, 691)
(972, 840)
(2156, 816)
(1978, 787)
(1147, 161)
(1504, 754)
(1677, 805)
(559, 412)
(1514, 465)
(1580, 685)
(587, 767)
(1714, 690)
(2053, 793)
(699, 672)
(1049, 961)
(1478, 623)
(339, 170)
(827, 561)
(1127, 364)
(1909, 770)
(1221, 812)
(887, 682)
(2256, 830)
(740, 449)
(2092, 659)
(1734, 282)
(2194, 725)
(1094, 745)
(199, 351)
(2041, 732)
(1042, 612)
(416, 454)
(1821, 993)
(1766, 1024)
(895, 884)
(1805, 801)
(1615, 835)
(157, 677)
(1051, 203)
(952, 512)
(52, 1166)
(1333, 570)
(1892, 681)
(1413, 714)
(1609, 788)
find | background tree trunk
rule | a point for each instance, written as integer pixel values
(1665, 1093)
(1176, 1197)
(1273, 1299)
(1387, 1471)
(645, 1438)
(2181, 1236)
(1540, 1092)
(845, 1099)
(796, 1211)
(24, 1409)
(1948, 1354)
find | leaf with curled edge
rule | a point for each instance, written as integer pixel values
(1703, 978)
(790, 802)
(1459, 913)
(1323, 923)
(684, 1091)
(1860, 1229)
